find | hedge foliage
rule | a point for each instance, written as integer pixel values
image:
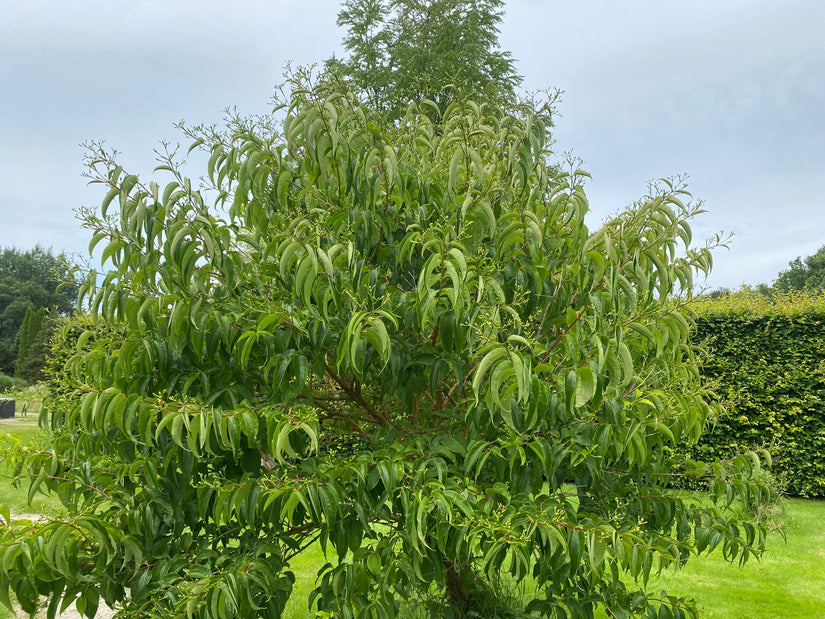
(766, 359)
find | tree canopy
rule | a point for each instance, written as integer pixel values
(516, 381)
(29, 280)
(803, 273)
(403, 51)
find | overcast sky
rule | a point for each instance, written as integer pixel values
(730, 92)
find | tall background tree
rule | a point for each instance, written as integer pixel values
(803, 273)
(403, 51)
(29, 280)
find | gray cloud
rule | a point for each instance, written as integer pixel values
(731, 93)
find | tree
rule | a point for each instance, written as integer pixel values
(801, 275)
(403, 51)
(33, 346)
(518, 382)
(30, 280)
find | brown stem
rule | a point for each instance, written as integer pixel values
(361, 431)
(457, 594)
(565, 332)
(415, 418)
(353, 391)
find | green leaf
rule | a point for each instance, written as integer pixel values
(642, 330)
(491, 357)
(585, 385)
(454, 164)
(377, 336)
(626, 360)
(112, 193)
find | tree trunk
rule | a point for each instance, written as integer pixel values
(457, 594)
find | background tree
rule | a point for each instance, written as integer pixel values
(33, 345)
(801, 274)
(403, 51)
(29, 280)
(517, 381)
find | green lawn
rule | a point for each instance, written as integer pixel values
(305, 568)
(24, 427)
(788, 582)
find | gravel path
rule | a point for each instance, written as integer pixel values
(103, 612)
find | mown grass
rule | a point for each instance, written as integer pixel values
(788, 582)
(305, 567)
(24, 428)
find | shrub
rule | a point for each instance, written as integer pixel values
(6, 383)
(513, 379)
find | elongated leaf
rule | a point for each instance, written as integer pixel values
(585, 385)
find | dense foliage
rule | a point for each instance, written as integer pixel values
(801, 274)
(29, 280)
(766, 357)
(72, 334)
(415, 50)
(515, 381)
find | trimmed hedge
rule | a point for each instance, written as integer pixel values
(765, 359)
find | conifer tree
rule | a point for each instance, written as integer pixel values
(33, 346)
